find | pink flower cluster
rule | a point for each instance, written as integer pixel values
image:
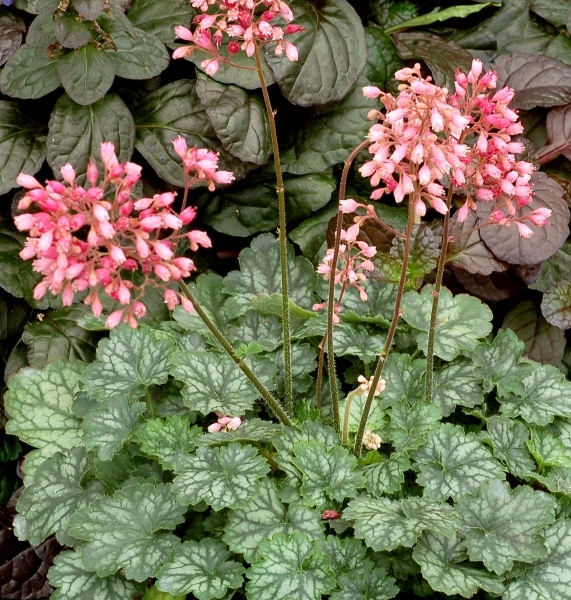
(243, 24)
(88, 239)
(225, 423)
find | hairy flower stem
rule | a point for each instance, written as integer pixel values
(429, 380)
(150, 404)
(271, 402)
(390, 336)
(331, 299)
(282, 238)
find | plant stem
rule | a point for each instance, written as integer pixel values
(150, 404)
(429, 379)
(345, 434)
(331, 299)
(282, 238)
(271, 402)
(390, 336)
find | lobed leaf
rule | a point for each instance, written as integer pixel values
(457, 384)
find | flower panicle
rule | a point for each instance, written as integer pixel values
(88, 239)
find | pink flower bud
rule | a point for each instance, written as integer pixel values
(171, 299)
(214, 427)
(523, 230)
(28, 182)
(68, 173)
(188, 215)
(108, 157)
(114, 319)
(330, 515)
(187, 305)
(139, 310)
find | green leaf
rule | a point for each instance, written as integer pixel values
(556, 305)
(222, 477)
(251, 431)
(168, 440)
(128, 362)
(76, 133)
(260, 274)
(386, 524)
(554, 11)
(213, 382)
(557, 480)
(382, 58)
(462, 321)
(452, 12)
(357, 399)
(202, 569)
(153, 593)
(332, 53)
(22, 147)
(29, 74)
(410, 424)
(89, 9)
(86, 74)
(499, 364)
(443, 565)
(329, 134)
(387, 475)
(252, 206)
(111, 424)
(456, 383)
(40, 402)
(357, 340)
(238, 117)
(404, 377)
(71, 32)
(366, 583)
(453, 463)
(493, 536)
(265, 516)
(547, 395)
(73, 582)
(256, 328)
(272, 305)
(548, 449)
(328, 473)
(173, 110)
(289, 568)
(508, 439)
(56, 493)
(549, 577)
(58, 335)
(160, 17)
(125, 531)
(424, 252)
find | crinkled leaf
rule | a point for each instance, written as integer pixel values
(547, 449)
(424, 251)
(386, 524)
(536, 80)
(22, 144)
(76, 133)
(554, 11)
(382, 58)
(251, 431)
(12, 28)
(366, 584)
(556, 305)
(39, 403)
(508, 245)
(86, 74)
(411, 423)
(499, 364)
(558, 135)
(508, 439)
(289, 568)
(387, 475)
(73, 582)
(442, 57)
(329, 133)
(251, 207)
(493, 536)
(378, 307)
(213, 382)
(327, 473)
(455, 384)
(202, 569)
(556, 268)
(239, 119)
(160, 17)
(29, 74)
(453, 463)
(129, 361)
(111, 424)
(56, 493)
(462, 320)
(168, 440)
(346, 554)
(549, 577)
(547, 395)
(265, 516)
(404, 377)
(444, 565)
(255, 328)
(89, 9)
(304, 364)
(357, 340)
(222, 477)
(71, 31)
(58, 335)
(543, 342)
(260, 274)
(557, 480)
(173, 110)
(332, 53)
(125, 531)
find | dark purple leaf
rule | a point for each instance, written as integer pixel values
(493, 287)
(442, 57)
(468, 251)
(544, 342)
(558, 135)
(537, 80)
(12, 29)
(556, 305)
(509, 246)
(553, 11)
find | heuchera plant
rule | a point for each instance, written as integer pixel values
(211, 454)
